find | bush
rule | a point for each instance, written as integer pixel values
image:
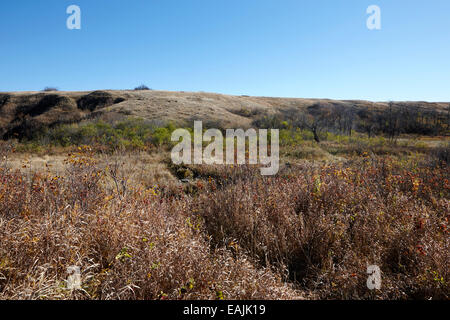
(442, 154)
(142, 87)
(50, 89)
(131, 133)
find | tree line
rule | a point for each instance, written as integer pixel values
(390, 121)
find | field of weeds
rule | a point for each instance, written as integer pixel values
(137, 232)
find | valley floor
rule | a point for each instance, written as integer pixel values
(310, 232)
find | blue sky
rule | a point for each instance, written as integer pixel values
(286, 48)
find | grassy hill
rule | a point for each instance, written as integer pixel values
(24, 113)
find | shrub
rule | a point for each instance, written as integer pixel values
(142, 87)
(442, 154)
(326, 224)
(50, 89)
(131, 133)
(139, 246)
(161, 136)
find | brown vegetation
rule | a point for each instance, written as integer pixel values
(311, 231)
(86, 180)
(137, 245)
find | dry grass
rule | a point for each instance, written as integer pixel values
(140, 169)
(138, 233)
(326, 224)
(136, 245)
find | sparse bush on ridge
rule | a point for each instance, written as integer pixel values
(142, 87)
(50, 89)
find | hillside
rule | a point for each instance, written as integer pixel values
(105, 196)
(22, 113)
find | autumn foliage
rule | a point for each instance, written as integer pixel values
(309, 232)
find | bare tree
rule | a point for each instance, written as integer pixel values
(392, 121)
(317, 118)
(448, 117)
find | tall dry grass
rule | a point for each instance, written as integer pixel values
(139, 245)
(230, 233)
(324, 225)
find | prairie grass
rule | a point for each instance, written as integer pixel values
(134, 245)
(137, 232)
(325, 224)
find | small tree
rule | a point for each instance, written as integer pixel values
(142, 87)
(316, 119)
(50, 89)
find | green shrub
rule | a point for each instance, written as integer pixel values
(131, 133)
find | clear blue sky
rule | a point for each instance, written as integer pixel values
(293, 48)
